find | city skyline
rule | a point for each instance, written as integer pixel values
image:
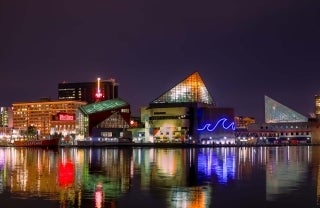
(242, 51)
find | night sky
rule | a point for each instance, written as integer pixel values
(243, 49)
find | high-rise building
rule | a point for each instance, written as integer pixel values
(90, 92)
(5, 122)
(5, 117)
(47, 116)
(317, 105)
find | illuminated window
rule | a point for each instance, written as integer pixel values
(192, 89)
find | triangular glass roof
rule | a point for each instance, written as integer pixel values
(103, 106)
(114, 121)
(190, 90)
(277, 113)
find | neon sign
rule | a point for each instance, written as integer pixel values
(222, 122)
(66, 117)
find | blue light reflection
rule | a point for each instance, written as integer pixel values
(221, 165)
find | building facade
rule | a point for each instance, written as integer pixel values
(89, 92)
(187, 114)
(47, 116)
(104, 121)
(6, 123)
(317, 106)
(242, 122)
(282, 126)
(6, 119)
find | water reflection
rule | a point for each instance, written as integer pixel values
(195, 177)
(287, 168)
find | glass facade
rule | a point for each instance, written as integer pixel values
(190, 90)
(277, 113)
(176, 115)
(114, 121)
(317, 106)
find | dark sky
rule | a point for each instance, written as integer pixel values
(243, 49)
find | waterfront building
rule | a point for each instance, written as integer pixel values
(137, 129)
(89, 92)
(242, 122)
(47, 116)
(6, 122)
(187, 113)
(106, 120)
(317, 106)
(6, 119)
(282, 126)
(276, 112)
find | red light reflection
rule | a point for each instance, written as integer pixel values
(98, 196)
(66, 173)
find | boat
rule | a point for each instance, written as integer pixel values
(54, 142)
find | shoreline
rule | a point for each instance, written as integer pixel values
(175, 145)
(157, 145)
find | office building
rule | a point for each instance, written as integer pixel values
(89, 92)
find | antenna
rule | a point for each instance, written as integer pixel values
(98, 92)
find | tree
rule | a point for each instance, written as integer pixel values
(32, 132)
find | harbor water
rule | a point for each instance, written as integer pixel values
(276, 176)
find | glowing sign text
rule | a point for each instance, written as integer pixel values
(66, 117)
(222, 122)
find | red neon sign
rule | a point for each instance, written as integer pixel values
(66, 117)
(98, 94)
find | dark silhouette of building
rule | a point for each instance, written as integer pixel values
(90, 92)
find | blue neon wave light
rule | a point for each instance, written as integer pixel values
(222, 122)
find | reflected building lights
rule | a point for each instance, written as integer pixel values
(182, 175)
(166, 162)
(195, 197)
(284, 174)
(98, 195)
(211, 163)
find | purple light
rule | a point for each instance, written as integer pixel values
(222, 122)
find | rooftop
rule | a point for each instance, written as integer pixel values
(103, 106)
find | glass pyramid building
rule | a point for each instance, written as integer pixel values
(190, 90)
(277, 113)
